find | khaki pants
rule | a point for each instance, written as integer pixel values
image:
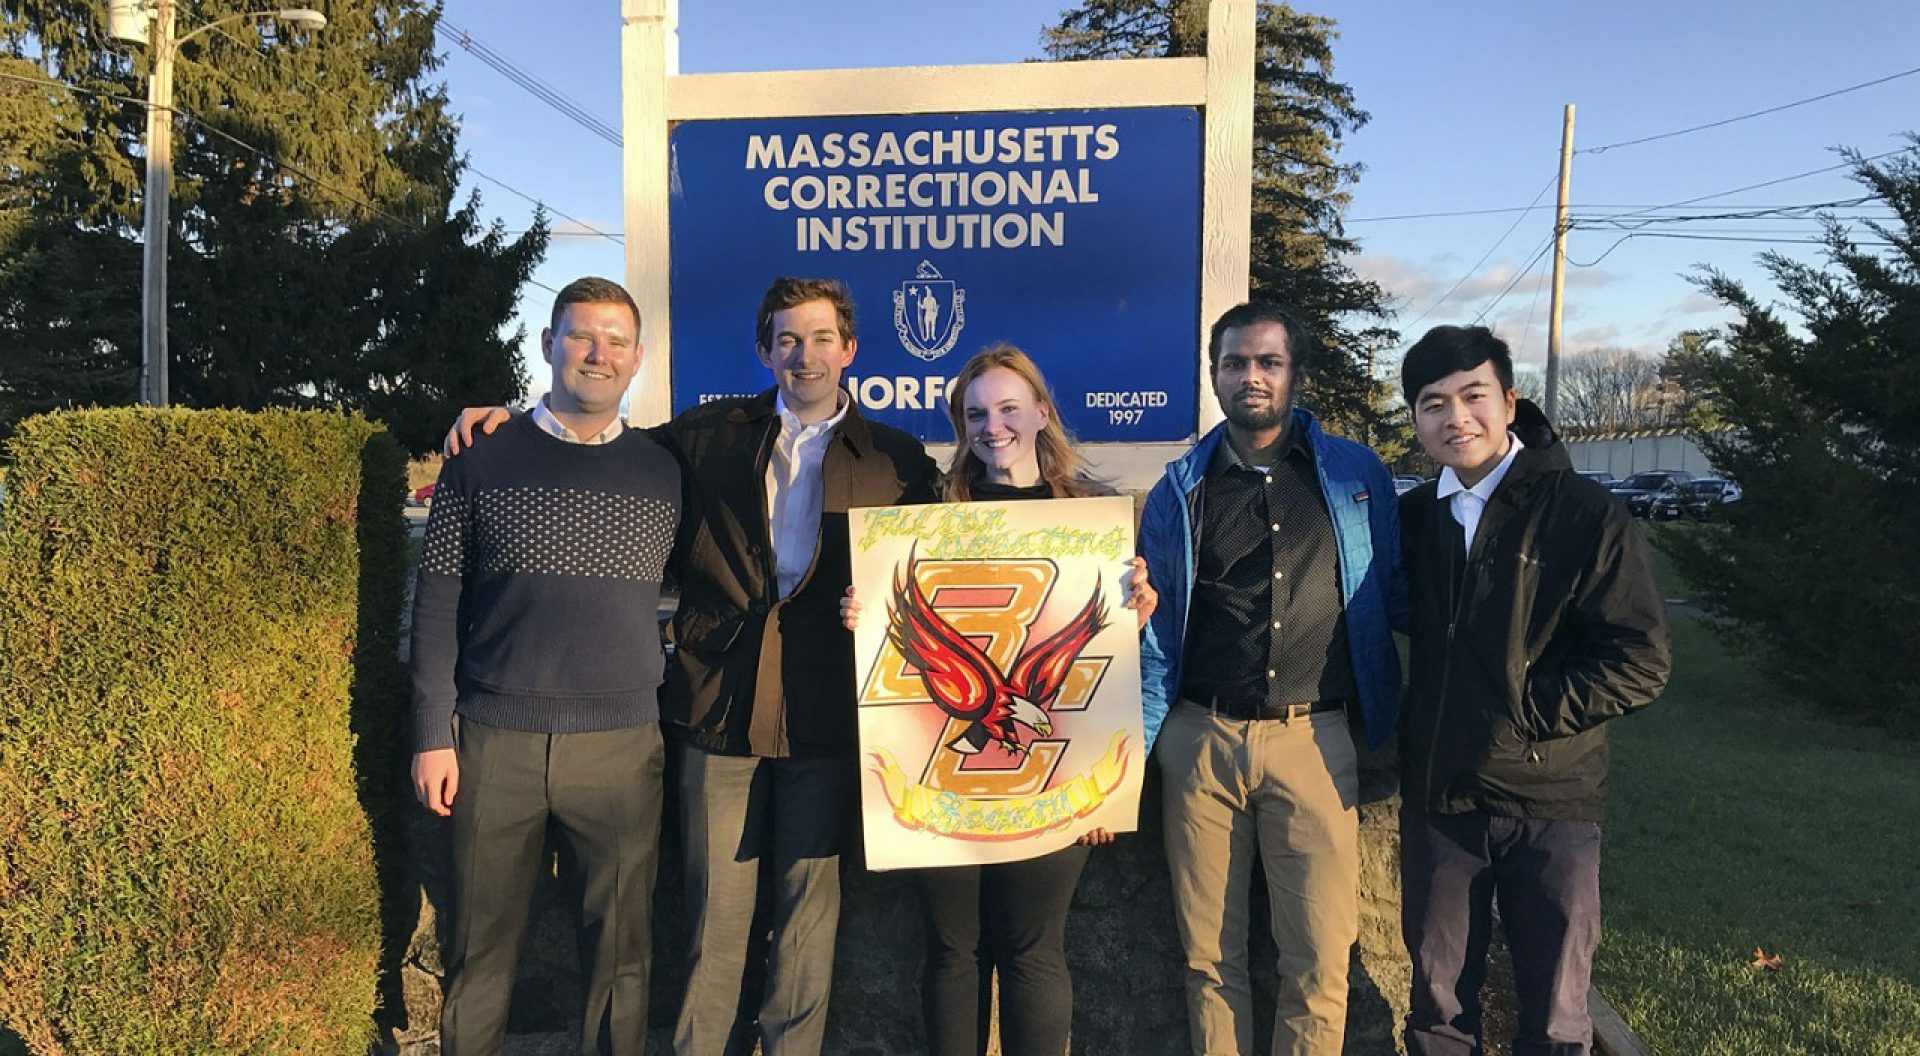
(1288, 791)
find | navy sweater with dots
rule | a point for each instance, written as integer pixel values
(536, 606)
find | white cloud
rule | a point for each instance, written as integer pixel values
(1588, 337)
(1697, 303)
(1414, 286)
(1405, 283)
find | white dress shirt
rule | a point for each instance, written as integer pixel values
(1469, 503)
(794, 491)
(543, 417)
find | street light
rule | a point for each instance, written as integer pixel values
(136, 21)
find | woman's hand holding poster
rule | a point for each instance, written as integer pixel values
(999, 678)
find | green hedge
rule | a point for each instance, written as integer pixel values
(186, 862)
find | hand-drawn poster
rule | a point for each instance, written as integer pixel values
(999, 678)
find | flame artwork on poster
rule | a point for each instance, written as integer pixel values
(999, 679)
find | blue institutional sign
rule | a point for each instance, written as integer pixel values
(1074, 235)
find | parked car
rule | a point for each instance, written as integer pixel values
(1696, 500)
(1405, 483)
(1639, 490)
(421, 496)
(1600, 477)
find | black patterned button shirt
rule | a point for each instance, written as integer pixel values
(1267, 625)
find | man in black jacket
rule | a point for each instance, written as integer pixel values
(1535, 620)
(759, 698)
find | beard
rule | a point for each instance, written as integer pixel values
(1275, 414)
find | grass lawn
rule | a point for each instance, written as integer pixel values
(1739, 820)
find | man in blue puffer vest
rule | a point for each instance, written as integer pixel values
(1276, 548)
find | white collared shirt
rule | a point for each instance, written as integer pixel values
(1469, 503)
(543, 417)
(795, 489)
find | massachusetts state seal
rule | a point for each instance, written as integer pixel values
(929, 312)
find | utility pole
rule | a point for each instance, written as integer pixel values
(151, 22)
(1559, 266)
(153, 255)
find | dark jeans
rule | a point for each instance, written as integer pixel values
(1546, 875)
(1012, 917)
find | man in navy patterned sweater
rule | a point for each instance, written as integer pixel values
(536, 660)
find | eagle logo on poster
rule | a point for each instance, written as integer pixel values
(999, 703)
(997, 690)
(929, 311)
(1007, 708)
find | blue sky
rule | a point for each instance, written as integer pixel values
(1465, 102)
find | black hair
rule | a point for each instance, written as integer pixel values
(1446, 350)
(1301, 346)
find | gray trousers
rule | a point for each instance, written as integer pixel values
(602, 792)
(738, 813)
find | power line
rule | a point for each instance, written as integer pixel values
(1764, 183)
(263, 154)
(1810, 211)
(546, 93)
(1455, 212)
(1691, 237)
(516, 232)
(1761, 210)
(1749, 232)
(590, 229)
(1749, 116)
(1788, 241)
(1531, 305)
(236, 141)
(1541, 208)
(1518, 276)
(1754, 207)
(1483, 257)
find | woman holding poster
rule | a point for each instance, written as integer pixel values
(1010, 916)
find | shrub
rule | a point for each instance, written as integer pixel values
(1814, 573)
(185, 862)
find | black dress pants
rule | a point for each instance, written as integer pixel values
(1010, 917)
(1546, 875)
(602, 792)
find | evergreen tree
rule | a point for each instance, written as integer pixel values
(318, 256)
(1816, 569)
(1300, 187)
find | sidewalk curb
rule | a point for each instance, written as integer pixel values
(1611, 1035)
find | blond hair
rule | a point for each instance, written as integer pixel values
(1060, 465)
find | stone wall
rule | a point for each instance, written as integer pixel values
(1121, 944)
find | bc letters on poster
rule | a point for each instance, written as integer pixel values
(999, 679)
